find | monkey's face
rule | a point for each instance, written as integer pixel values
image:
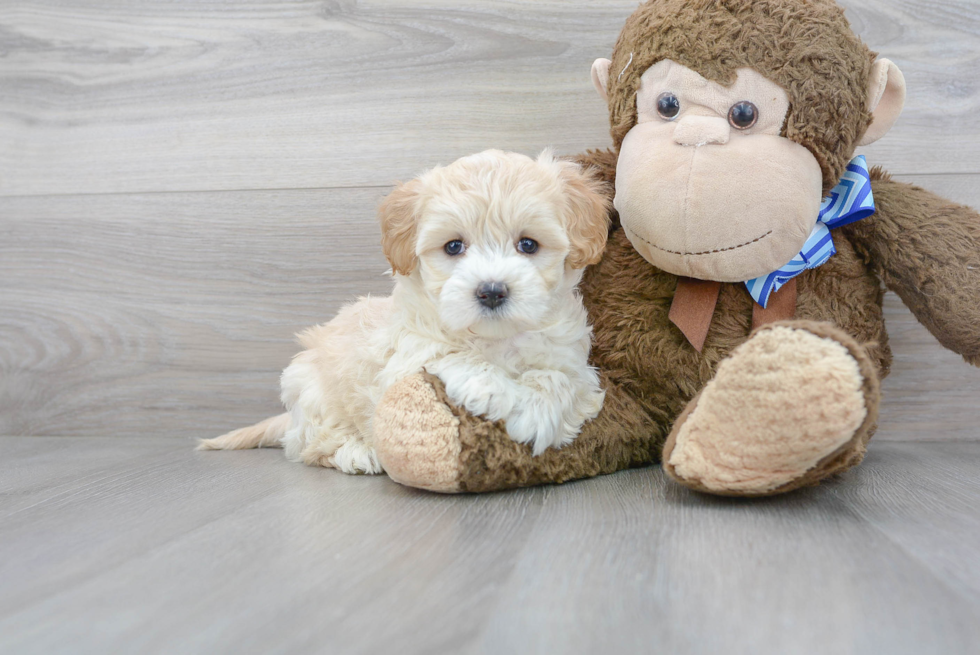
(705, 185)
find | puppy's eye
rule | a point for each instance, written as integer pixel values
(527, 246)
(668, 106)
(454, 247)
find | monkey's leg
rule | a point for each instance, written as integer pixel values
(424, 441)
(791, 406)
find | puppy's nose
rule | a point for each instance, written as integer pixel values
(492, 294)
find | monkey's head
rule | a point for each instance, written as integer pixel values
(733, 119)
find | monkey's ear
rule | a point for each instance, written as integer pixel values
(886, 98)
(399, 217)
(600, 76)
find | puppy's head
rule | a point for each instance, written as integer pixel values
(496, 239)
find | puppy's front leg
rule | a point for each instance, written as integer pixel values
(551, 409)
(482, 388)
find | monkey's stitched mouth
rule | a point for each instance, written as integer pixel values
(695, 254)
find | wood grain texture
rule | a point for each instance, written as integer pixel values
(169, 313)
(174, 313)
(184, 185)
(100, 96)
(110, 545)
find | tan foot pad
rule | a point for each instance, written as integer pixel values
(417, 437)
(785, 401)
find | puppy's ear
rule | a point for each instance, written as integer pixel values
(399, 216)
(587, 214)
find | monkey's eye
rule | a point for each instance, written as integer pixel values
(743, 115)
(668, 106)
(527, 246)
(454, 247)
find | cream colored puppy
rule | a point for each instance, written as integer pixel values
(487, 254)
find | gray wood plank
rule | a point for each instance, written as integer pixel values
(919, 501)
(180, 551)
(173, 314)
(102, 97)
(164, 549)
(665, 569)
(148, 314)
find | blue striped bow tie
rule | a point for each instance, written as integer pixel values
(849, 201)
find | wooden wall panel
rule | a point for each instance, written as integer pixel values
(184, 185)
(169, 313)
(173, 313)
(100, 96)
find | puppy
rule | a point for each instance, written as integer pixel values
(486, 254)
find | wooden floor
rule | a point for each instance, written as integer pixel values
(144, 545)
(186, 184)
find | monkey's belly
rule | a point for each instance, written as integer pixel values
(638, 347)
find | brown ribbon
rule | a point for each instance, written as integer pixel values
(781, 306)
(695, 300)
(692, 308)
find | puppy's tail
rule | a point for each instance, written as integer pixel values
(266, 434)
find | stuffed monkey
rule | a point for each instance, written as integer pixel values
(734, 126)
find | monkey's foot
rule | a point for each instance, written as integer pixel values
(416, 436)
(794, 404)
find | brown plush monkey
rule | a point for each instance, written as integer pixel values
(732, 121)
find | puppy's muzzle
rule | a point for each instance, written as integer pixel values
(491, 294)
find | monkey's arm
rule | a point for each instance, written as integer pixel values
(927, 250)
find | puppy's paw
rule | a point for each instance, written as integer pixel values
(538, 424)
(356, 457)
(482, 394)
(590, 402)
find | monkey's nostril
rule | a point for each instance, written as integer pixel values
(491, 294)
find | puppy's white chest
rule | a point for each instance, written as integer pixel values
(520, 353)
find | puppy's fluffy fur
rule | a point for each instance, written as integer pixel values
(524, 361)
